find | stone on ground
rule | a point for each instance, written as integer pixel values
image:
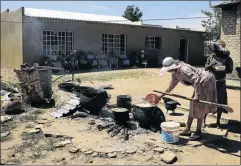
(5, 134)
(95, 154)
(131, 151)
(5, 119)
(168, 157)
(62, 144)
(160, 150)
(112, 155)
(33, 131)
(88, 152)
(74, 150)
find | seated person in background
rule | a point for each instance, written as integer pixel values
(124, 59)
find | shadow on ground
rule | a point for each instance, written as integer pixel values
(222, 144)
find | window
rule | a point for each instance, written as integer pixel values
(154, 42)
(115, 43)
(57, 42)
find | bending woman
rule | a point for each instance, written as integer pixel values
(204, 89)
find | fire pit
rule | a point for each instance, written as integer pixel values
(121, 116)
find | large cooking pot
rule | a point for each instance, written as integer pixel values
(149, 116)
(91, 99)
(121, 115)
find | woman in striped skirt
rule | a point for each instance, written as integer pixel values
(220, 58)
(204, 89)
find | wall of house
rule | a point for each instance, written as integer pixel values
(11, 38)
(88, 36)
(231, 34)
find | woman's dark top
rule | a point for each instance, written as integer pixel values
(215, 61)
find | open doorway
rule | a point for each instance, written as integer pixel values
(184, 50)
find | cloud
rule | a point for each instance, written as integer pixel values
(97, 7)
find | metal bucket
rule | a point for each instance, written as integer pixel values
(45, 77)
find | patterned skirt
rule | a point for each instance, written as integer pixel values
(209, 93)
(221, 94)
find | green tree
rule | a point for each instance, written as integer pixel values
(213, 24)
(132, 13)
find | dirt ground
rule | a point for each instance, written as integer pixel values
(24, 145)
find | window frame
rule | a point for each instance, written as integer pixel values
(151, 43)
(57, 42)
(114, 42)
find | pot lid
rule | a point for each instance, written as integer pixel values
(145, 105)
(119, 110)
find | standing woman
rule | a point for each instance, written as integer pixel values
(220, 64)
(204, 89)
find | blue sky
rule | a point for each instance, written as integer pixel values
(151, 9)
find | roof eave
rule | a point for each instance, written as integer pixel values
(226, 5)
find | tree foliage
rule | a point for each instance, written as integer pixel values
(133, 13)
(213, 24)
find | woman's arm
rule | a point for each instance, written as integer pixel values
(229, 65)
(172, 85)
(209, 63)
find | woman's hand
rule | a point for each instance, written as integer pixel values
(195, 98)
(160, 97)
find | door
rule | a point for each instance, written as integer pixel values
(184, 50)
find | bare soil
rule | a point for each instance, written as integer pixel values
(35, 148)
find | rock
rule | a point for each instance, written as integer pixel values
(152, 139)
(94, 154)
(74, 150)
(5, 134)
(62, 144)
(91, 122)
(79, 115)
(43, 121)
(30, 125)
(33, 131)
(39, 126)
(88, 152)
(160, 150)
(112, 155)
(222, 150)
(84, 150)
(194, 143)
(14, 107)
(5, 119)
(130, 151)
(169, 157)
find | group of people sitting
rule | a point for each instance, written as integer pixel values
(209, 85)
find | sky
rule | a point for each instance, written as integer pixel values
(150, 9)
